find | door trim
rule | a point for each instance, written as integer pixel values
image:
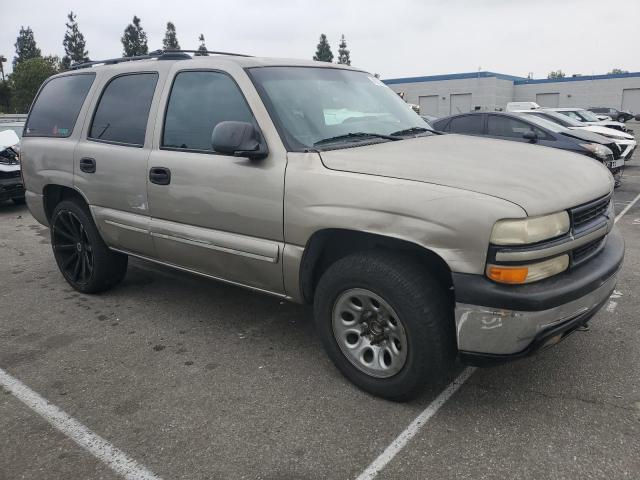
(218, 240)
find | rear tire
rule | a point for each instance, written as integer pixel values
(83, 258)
(396, 285)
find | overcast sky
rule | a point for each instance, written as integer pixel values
(396, 38)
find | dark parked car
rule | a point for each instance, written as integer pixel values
(519, 127)
(615, 114)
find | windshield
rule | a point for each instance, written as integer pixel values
(542, 122)
(558, 118)
(333, 107)
(587, 116)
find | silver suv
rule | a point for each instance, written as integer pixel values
(316, 183)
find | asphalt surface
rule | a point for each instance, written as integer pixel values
(199, 380)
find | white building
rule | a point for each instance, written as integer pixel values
(442, 95)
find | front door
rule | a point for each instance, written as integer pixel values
(215, 214)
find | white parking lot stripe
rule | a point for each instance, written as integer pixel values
(401, 440)
(626, 209)
(117, 460)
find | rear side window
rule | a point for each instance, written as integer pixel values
(56, 109)
(123, 110)
(198, 102)
(467, 124)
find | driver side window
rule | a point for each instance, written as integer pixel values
(200, 100)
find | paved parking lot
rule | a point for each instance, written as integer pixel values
(198, 380)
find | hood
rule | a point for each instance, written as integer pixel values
(539, 179)
(586, 135)
(609, 123)
(605, 131)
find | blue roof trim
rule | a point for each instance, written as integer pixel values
(581, 78)
(452, 76)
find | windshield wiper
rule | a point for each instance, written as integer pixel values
(408, 131)
(355, 135)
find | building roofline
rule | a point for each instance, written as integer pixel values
(581, 78)
(452, 76)
(502, 76)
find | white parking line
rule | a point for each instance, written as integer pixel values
(626, 209)
(401, 440)
(117, 460)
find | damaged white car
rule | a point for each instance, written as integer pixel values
(11, 186)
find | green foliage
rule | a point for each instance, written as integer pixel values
(202, 49)
(74, 44)
(27, 78)
(134, 40)
(26, 47)
(323, 50)
(343, 53)
(170, 41)
(617, 71)
(556, 74)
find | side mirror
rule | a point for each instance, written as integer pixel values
(530, 135)
(240, 139)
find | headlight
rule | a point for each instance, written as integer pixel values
(530, 230)
(527, 273)
(599, 151)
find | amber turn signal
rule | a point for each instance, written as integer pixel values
(507, 274)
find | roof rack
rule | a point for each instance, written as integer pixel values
(158, 54)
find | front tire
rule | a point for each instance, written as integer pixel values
(83, 258)
(386, 323)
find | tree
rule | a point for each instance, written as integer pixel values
(26, 47)
(617, 71)
(27, 78)
(202, 49)
(170, 41)
(323, 50)
(556, 74)
(343, 53)
(74, 44)
(134, 40)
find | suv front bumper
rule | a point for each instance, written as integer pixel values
(497, 323)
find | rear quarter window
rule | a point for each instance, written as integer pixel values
(55, 110)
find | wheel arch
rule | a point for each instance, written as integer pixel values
(54, 193)
(327, 246)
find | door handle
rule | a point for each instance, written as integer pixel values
(88, 165)
(160, 175)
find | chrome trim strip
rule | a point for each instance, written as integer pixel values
(528, 255)
(491, 330)
(201, 274)
(211, 246)
(126, 227)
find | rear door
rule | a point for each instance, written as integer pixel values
(110, 161)
(216, 214)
